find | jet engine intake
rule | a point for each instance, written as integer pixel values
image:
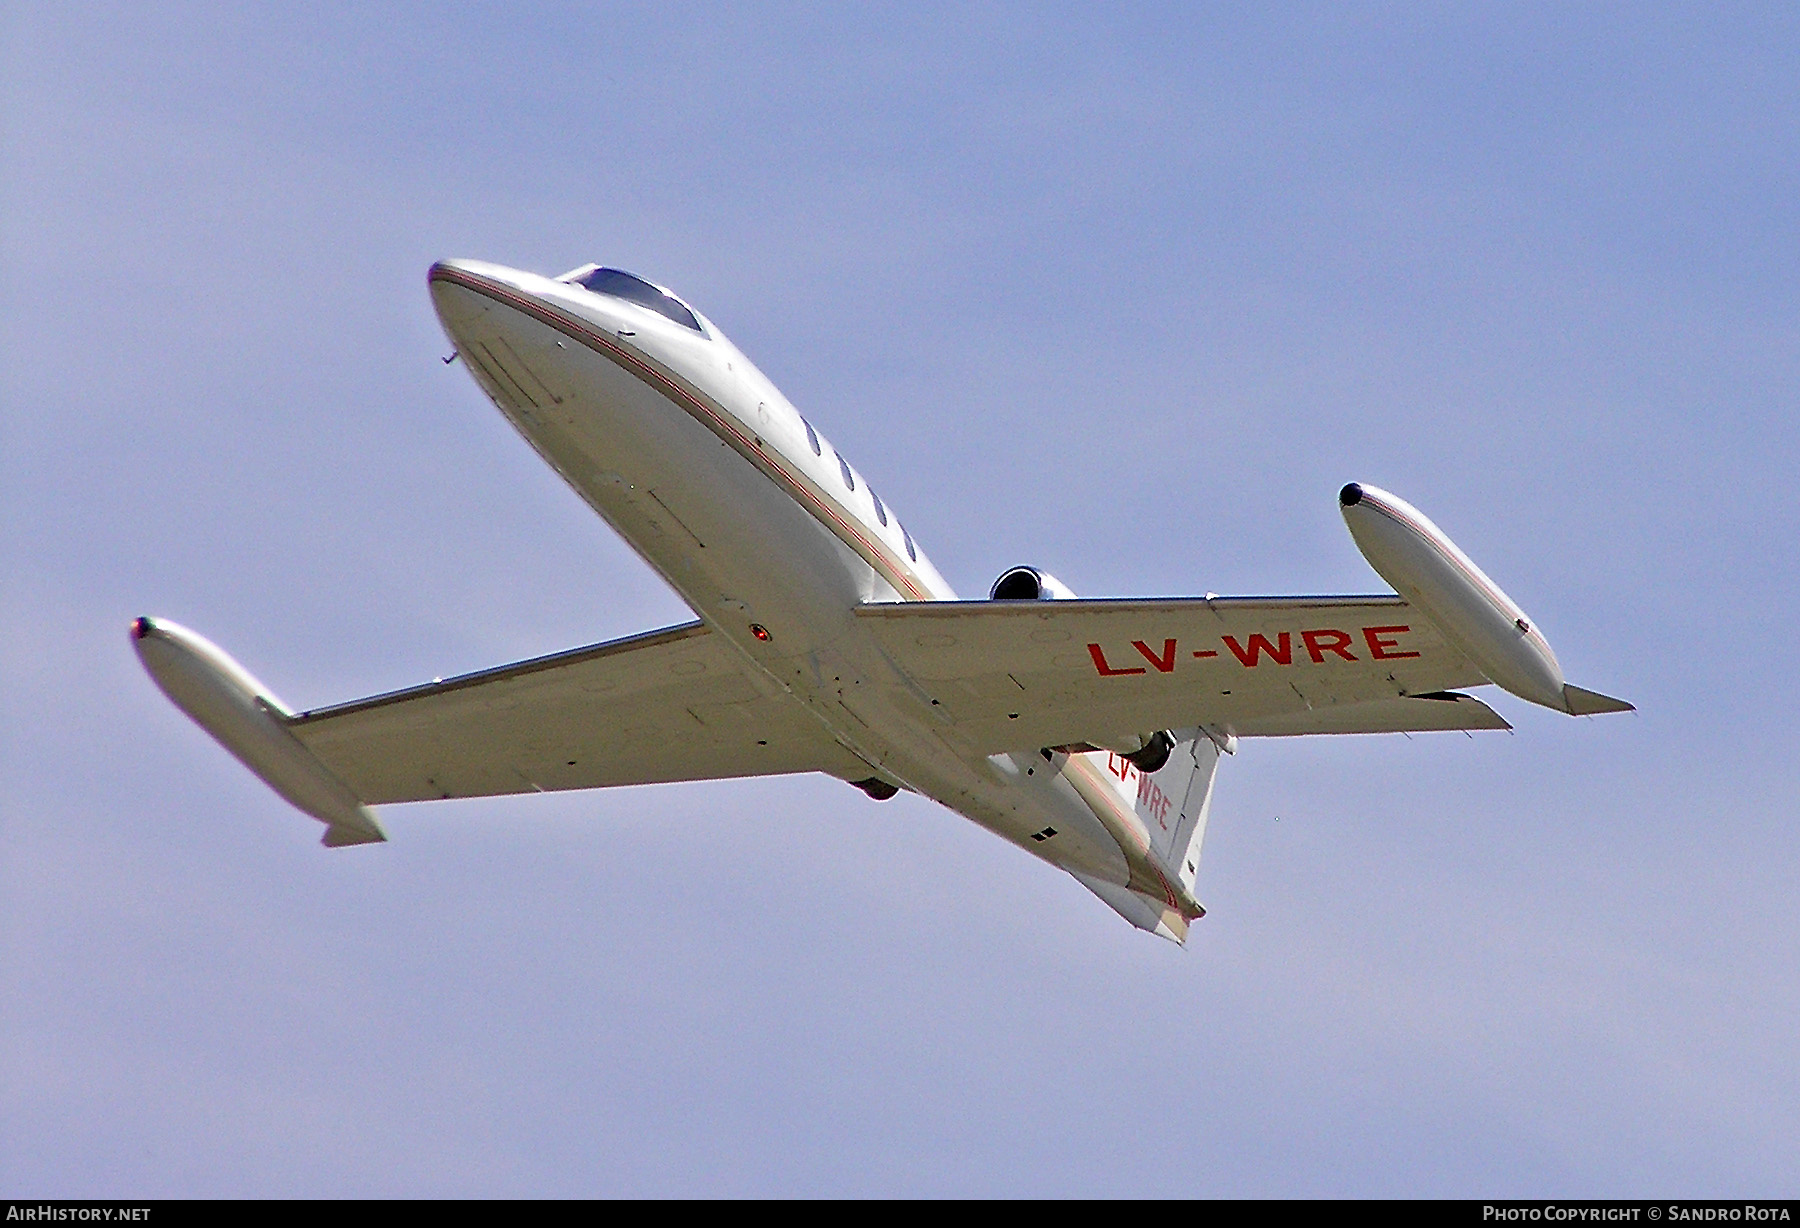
(1029, 584)
(1155, 752)
(1147, 752)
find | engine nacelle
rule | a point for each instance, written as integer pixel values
(1029, 584)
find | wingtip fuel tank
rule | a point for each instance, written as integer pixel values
(244, 717)
(1415, 556)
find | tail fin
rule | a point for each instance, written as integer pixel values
(1174, 801)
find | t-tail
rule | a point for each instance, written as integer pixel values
(1172, 803)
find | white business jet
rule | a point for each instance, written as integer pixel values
(1086, 732)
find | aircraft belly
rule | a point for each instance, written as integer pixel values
(1048, 819)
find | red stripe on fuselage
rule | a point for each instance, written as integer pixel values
(884, 562)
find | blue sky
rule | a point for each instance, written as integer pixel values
(1127, 296)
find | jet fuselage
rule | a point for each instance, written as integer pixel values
(714, 478)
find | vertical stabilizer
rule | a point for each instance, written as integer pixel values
(1173, 802)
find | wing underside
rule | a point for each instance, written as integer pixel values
(679, 704)
(1019, 675)
(670, 705)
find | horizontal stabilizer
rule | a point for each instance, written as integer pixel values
(1437, 712)
(1593, 703)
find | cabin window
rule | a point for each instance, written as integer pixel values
(616, 283)
(907, 538)
(880, 511)
(812, 437)
(844, 468)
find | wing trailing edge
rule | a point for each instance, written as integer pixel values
(1439, 711)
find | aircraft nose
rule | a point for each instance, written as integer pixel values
(483, 271)
(452, 281)
(472, 296)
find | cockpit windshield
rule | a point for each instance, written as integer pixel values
(619, 284)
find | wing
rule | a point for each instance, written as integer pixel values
(668, 705)
(1017, 675)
